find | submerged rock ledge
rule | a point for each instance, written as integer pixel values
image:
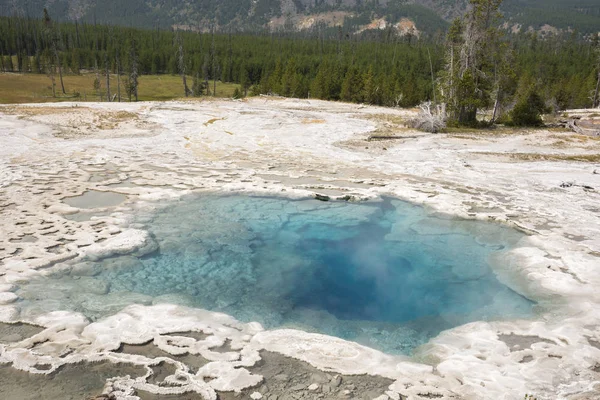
(277, 146)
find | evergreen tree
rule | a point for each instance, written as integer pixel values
(291, 81)
(274, 80)
(352, 87)
(327, 82)
(468, 78)
(529, 109)
(370, 91)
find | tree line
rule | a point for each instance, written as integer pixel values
(377, 68)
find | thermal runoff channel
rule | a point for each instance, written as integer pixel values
(384, 273)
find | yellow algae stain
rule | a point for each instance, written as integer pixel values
(212, 121)
(313, 121)
(230, 133)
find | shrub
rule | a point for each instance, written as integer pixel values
(431, 118)
(237, 93)
(528, 110)
(255, 90)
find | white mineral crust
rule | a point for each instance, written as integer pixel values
(297, 148)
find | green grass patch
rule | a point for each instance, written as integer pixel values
(36, 88)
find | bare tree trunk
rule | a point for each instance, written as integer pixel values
(451, 87)
(62, 84)
(78, 44)
(182, 71)
(107, 69)
(230, 54)
(128, 87)
(595, 103)
(185, 86)
(496, 105)
(77, 32)
(432, 77)
(135, 87)
(37, 51)
(53, 86)
(134, 75)
(132, 85)
(97, 80)
(2, 58)
(214, 68)
(118, 76)
(19, 51)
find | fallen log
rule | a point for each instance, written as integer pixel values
(572, 125)
(581, 127)
(381, 137)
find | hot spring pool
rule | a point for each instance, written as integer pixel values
(385, 274)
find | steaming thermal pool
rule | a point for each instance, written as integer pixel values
(385, 273)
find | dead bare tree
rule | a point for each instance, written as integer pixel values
(118, 64)
(2, 67)
(53, 37)
(596, 102)
(181, 64)
(97, 84)
(432, 77)
(107, 72)
(206, 73)
(431, 118)
(62, 83)
(49, 68)
(213, 54)
(133, 76)
(77, 9)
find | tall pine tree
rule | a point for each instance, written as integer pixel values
(468, 79)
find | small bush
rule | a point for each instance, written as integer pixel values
(237, 93)
(528, 110)
(255, 90)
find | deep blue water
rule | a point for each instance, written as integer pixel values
(385, 274)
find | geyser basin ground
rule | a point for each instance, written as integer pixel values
(382, 273)
(52, 152)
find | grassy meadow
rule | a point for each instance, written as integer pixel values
(36, 88)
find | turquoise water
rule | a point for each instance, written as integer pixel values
(385, 274)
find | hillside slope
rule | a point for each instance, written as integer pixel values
(353, 15)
